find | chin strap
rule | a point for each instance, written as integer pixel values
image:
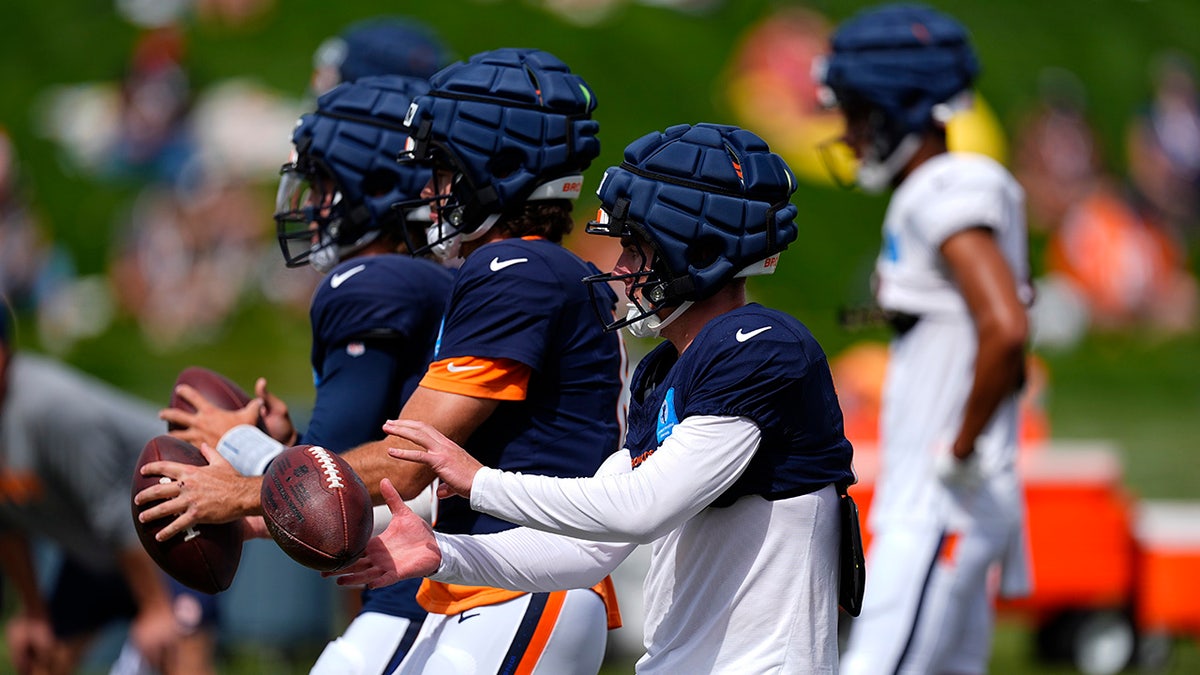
(876, 176)
(650, 325)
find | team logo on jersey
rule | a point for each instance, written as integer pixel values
(891, 247)
(341, 277)
(356, 349)
(667, 419)
(743, 336)
(497, 264)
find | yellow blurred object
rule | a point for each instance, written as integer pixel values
(977, 130)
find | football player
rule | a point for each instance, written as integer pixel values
(953, 274)
(522, 374)
(65, 479)
(374, 318)
(383, 45)
(735, 455)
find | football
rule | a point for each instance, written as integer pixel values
(204, 557)
(220, 390)
(316, 507)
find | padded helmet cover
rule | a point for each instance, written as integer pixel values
(903, 59)
(508, 120)
(711, 199)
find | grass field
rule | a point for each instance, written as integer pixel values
(650, 67)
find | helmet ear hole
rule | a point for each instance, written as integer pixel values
(379, 182)
(506, 162)
(705, 251)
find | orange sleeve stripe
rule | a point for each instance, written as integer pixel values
(495, 379)
(541, 634)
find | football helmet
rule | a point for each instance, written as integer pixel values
(336, 196)
(712, 203)
(510, 126)
(906, 68)
(378, 46)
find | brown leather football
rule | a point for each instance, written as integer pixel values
(204, 557)
(218, 389)
(316, 507)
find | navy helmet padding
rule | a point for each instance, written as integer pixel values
(356, 133)
(509, 120)
(696, 191)
(904, 59)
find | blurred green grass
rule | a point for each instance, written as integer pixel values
(650, 68)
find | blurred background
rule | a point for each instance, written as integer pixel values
(140, 142)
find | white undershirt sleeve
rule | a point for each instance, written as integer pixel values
(527, 560)
(703, 457)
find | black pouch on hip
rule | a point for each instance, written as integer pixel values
(853, 569)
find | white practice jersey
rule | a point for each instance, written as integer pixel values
(931, 366)
(711, 569)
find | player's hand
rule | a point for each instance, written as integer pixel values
(209, 422)
(155, 633)
(406, 549)
(455, 466)
(957, 469)
(215, 493)
(31, 643)
(275, 417)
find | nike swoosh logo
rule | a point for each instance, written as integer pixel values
(497, 264)
(463, 617)
(341, 277)
(742, 337)
(460, 369)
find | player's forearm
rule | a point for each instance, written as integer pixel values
(999, 366)
(372, 463)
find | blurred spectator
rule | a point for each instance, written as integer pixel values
(1163, 143)
(157, 13)
(183, 259)
(65, 478)
(1127, 271)
(152, 139)
(1109, 265)
(1057, 157)
(32, 268)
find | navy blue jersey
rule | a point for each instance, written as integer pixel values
(757, 363)
(524, 300)
(374, 322)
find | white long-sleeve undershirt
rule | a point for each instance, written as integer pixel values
(700, 460)
(703, 457)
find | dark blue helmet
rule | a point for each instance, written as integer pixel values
(513, 125)
(711, 200)
(345, 178)
(901, 59)
(380, 46)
